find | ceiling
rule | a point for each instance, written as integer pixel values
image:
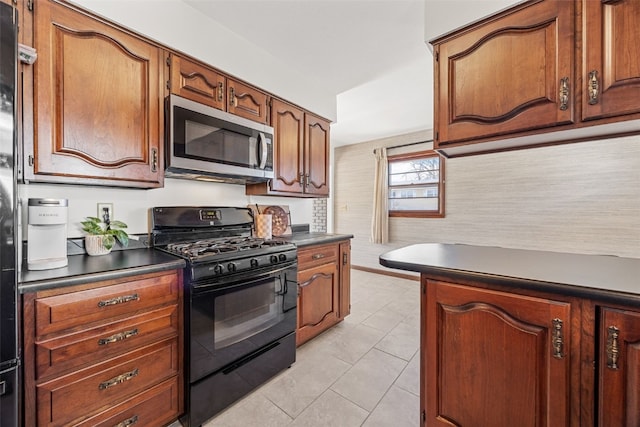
(370, 54)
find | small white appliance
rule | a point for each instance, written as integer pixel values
(47, 234)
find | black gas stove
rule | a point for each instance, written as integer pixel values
(216, 241)
(240, 303)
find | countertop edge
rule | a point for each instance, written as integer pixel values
(601, 277)
(302, 240)
(153, 264)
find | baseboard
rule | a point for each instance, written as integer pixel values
(386, 273)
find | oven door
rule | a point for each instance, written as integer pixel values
(231, 321)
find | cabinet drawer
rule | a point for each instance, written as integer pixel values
(78, 309)
(74, 351)
(317, 255)
(156, 407)
(99, 387)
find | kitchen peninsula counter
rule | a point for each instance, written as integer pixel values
(601, 276)
(543, 331)
(83, 268)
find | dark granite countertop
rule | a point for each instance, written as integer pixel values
(84, 268)
(601, 276)
(313, 238)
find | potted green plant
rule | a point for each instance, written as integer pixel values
(101, 236)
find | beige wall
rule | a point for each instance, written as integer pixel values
(582, 198)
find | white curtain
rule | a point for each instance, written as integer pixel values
(380, 220)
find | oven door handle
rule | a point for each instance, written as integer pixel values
(241, 279)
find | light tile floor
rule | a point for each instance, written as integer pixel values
(362, 372)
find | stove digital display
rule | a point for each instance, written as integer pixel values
(210, 215)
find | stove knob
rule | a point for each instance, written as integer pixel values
(254, 262)
(231, 267)
(282, 257)
(273, 259)
(217, 269)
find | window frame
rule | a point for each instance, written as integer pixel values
(440, 213)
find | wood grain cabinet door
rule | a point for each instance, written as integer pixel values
(98, 103)
(197, 82)
(246, 101)
(510, 74)
(318, 302)
(495, 358)
(288, 150)
(619, 368)
(611, 74)
(316, 155)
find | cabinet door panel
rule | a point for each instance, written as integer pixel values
(619, 368)
(505, 76)
(288, 155)
(196, 82)
(98, 96)
(316, 155)
(247, 102)
(80, 309)
(157, 406)
(495, 347)
(72, 351)
(318, 303)
(74, 396)
(611, 60)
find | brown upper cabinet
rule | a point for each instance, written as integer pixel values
(515, 78)
(200, 83)
(97, 102)
(301, 154)
(611, 36)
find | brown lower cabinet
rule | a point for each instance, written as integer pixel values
(105, 353)
(494, 355)
(323, 288)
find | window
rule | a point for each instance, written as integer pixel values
(416, 185)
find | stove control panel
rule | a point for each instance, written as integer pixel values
(221, 268)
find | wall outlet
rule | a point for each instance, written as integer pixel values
(109, 211)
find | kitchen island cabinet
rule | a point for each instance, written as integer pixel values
(98, 90)
(105, 352)
(323, 287)
(560, 71)
(518, 337)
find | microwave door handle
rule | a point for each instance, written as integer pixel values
(263, 150)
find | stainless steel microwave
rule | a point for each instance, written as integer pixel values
(208, 144)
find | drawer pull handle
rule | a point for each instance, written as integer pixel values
(613, 347)
(118, 380)
(118, 300)
(317, 256)
(128, 422)
(118, 337)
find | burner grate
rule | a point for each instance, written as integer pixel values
(211, 247)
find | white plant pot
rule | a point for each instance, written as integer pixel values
(95, 246)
